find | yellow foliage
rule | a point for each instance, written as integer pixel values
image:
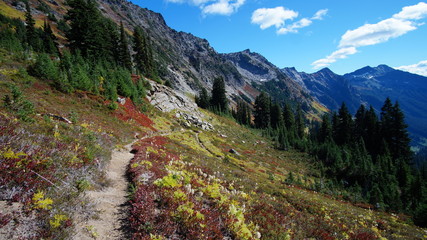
(156, 237)
(179, 195)
(9, 154)
(40, 202)
(57, 220)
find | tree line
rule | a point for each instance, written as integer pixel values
(367, 155)
(98, 56)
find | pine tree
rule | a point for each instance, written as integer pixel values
(31, 33)
(288, 117)
(283, 142)
(276, 116)
(125, 59)
(372, 138)
(143, 57)
(243, 113)
(262, 111)
(387, 120)
(202, 100)
(400, 143)
(49, 40)
(87, 32)
(219, 100)
(325, 131)
(360, 130)
(139, 49)
(300, 122)
(344, 127)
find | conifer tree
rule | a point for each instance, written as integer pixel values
(288, 116)
(49, 40)
(139, 49)
(300, 122)
(31, 33)
(143, 57)
(219, 100)
(243, 115)
(344, 127)
(125, 59)
(283, 142)
(262, 111)
(400, 143)
(87, 29)
(276, 116)
(325, 131)
(202, 100)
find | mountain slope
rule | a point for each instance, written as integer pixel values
(329, 88)
(375, 84)
(371, 86)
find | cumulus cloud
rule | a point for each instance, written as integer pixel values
(214, 7)
(268, 17)
(372, 34)
(413, 12)
(222, 7)
(418, 68)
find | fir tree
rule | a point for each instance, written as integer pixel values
(283, 142)
(262, 111)
(139, 49)
(276, 116)
(124, 54)
(288, 117)
(31, 33)
(325, 131)
(400, 142)
(203, 100)
(49, 40)
(219, 100)
(344, 125)
(243, 115)
(87, 29)
(300, 122)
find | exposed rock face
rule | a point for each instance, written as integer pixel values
(189, 62)
(329, 88)
(167, 100)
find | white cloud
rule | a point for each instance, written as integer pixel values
(319, 14)
(418, 68)
(223, 7)
(338, 54)
(267, 17)
(295, 26)
(214, 7)
(412, 12)
(372, 34)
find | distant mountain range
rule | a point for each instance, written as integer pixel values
(371, 86)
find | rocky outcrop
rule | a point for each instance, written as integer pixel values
(169, 100)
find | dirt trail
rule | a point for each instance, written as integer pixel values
(109, 202)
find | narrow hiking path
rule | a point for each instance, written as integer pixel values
(110, 202)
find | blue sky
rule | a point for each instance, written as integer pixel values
(343, 35)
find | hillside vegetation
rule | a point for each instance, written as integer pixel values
(64, 110)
